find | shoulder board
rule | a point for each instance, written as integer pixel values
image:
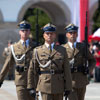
(62, 45)
(38, 47)
(15, 43)
(65, 45)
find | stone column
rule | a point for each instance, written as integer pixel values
(8, 31)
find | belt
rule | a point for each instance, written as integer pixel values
(21, 68)
(52, 71)
(79, 69)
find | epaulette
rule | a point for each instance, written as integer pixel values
(63, 45)
(14, 44)
(38, 47)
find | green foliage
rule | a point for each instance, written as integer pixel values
(31, 17)
(96, 19)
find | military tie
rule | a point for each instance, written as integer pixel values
(24, 45)
(73, 46)
(50, 48)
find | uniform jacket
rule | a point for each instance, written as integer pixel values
(51, 83)
(78, 78)
(20, 78)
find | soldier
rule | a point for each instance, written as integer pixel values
(7, 49)
(20, 55)
(76, 56)
(51, 67)
(6, 53)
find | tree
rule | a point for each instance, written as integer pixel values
(96, 18)
(43, 19)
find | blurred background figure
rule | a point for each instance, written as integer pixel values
(7, 49)
(6, 52)
(97, 57)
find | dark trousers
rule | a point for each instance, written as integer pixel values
(77, 94)
(97, 74)
(22, 93)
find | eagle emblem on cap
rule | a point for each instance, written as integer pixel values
(23, 22)
(49, 25)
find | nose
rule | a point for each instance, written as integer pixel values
(25, 31)
(49, 34)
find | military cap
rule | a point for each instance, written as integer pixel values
(71, 28)
(49, 28)
(24, 25)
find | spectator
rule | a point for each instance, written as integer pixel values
(97, 68)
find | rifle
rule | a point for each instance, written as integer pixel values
(86, 71)
(37, 29)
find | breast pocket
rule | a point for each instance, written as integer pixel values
(79, 56)
(44, 79)
(79, 59)
(59, 59)
(43, 59)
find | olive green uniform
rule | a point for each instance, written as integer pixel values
(20, 73)
(79, 78)
(53, 78)
(6, 53)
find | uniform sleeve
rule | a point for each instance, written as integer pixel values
(9, 62)
(32, 73)
(67, 73)
(91, 61)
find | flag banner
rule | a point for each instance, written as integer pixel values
(83, 8)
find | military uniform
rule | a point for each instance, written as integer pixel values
(51, 69)
(6, 53)
(19, 55)
(76, 56)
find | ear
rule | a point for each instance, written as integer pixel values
(55, 34)
(43, 35)
(66, 35)
(19, 32)
(77, 34)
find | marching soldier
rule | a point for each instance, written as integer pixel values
(20, 54)
(7, 49)
(51, 67)
(76, 56)
(6, 53)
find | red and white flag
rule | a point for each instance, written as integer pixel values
(96, 35)
(84, 5)
(79, 16)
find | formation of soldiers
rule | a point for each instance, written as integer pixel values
(51, 69)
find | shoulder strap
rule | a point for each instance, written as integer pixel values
(29, 50)
(13, 53)
(43, 66)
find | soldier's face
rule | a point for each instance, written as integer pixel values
(71, 36)
(24, 34)
(49, 37)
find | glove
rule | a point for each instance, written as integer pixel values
(32, 92)
(1, 84)
(66, 93)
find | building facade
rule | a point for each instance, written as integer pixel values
(59, 11)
